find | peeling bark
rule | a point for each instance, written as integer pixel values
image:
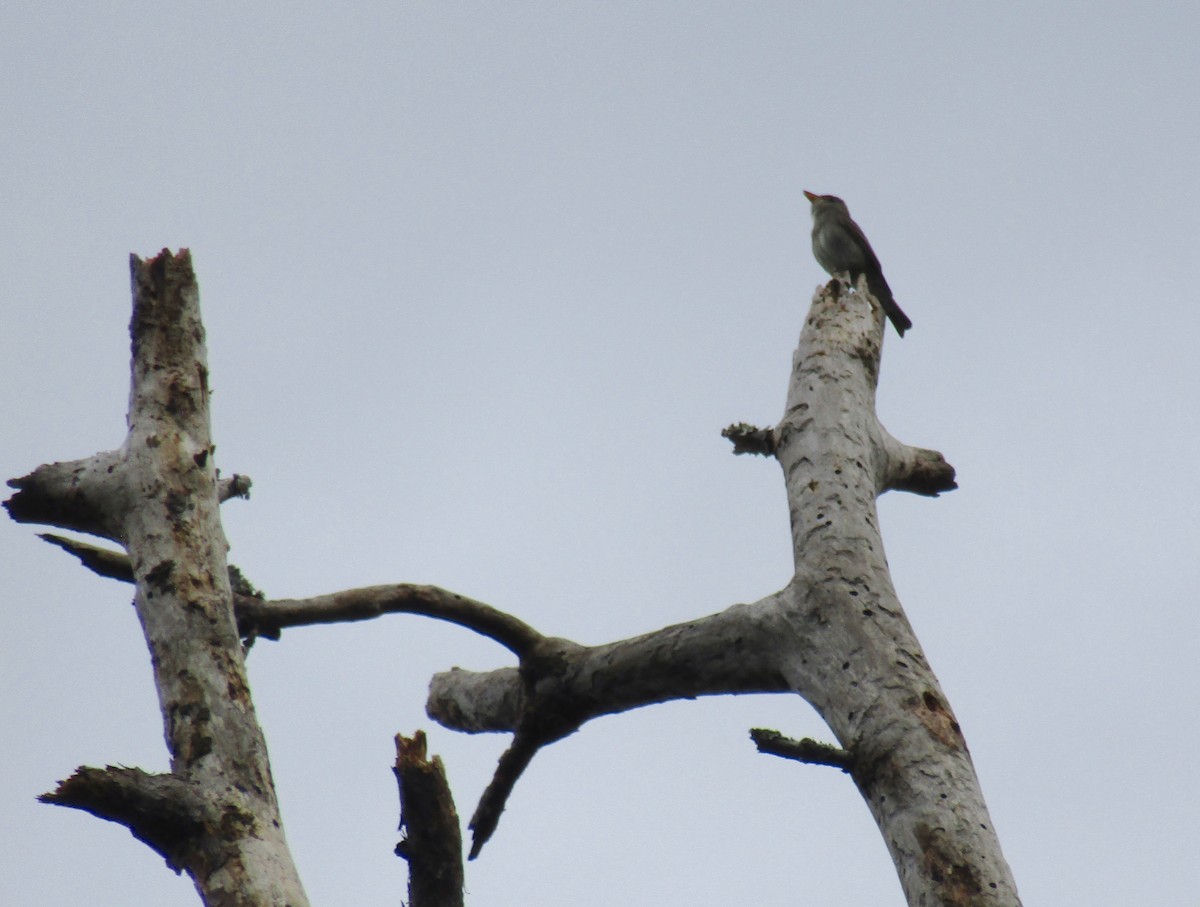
(432, 843)
(836, 635)
(855, 657)
(215, 815)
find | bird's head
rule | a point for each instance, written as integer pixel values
(819, 201)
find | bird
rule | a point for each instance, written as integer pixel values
(841, 247)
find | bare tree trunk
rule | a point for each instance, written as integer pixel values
(432, 844)
(215, 815)
(853, 654)
(836, 635)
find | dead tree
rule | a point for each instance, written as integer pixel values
(215, 814)
(836, 635)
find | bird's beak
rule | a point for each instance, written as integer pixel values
(812, 197)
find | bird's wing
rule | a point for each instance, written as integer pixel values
(864, 242)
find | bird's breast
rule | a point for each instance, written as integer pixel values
(836, 250)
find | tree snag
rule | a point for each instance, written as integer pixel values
(432, 842)
(836, 635)
(215, 815)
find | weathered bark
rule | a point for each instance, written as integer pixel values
(215, 815)
(806, 750)
(837, 635)
(854, 655)
(710, 656)
(432, 843)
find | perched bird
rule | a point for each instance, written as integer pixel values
(840, 247)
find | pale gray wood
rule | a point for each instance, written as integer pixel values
(215, 814)
(836, 635)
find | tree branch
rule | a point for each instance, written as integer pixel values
(511, 766)
(74, 495)
(710, 656)
(270, 617)
(234, 486)
(78, 495)
(162, 811)
(432, 843)
(747, 439)
(915, 469)
(259, 617)
(102, 561)
(837, 635)
(806, 750)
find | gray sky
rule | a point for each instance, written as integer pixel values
(483, 282)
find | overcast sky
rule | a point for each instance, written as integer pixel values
(484, 281)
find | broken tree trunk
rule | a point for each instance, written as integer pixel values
(215, 814)
(836, 635)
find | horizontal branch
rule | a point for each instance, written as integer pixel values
(560, 685)
(102, 561)
(234, 486)
(76, 494)
(808, 750)
(917, 470)
(476, 702)
(267, 617)
(162, 811)
(748, 439)
(258, 617)
(728, 652)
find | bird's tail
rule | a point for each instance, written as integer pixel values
(881, 291)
